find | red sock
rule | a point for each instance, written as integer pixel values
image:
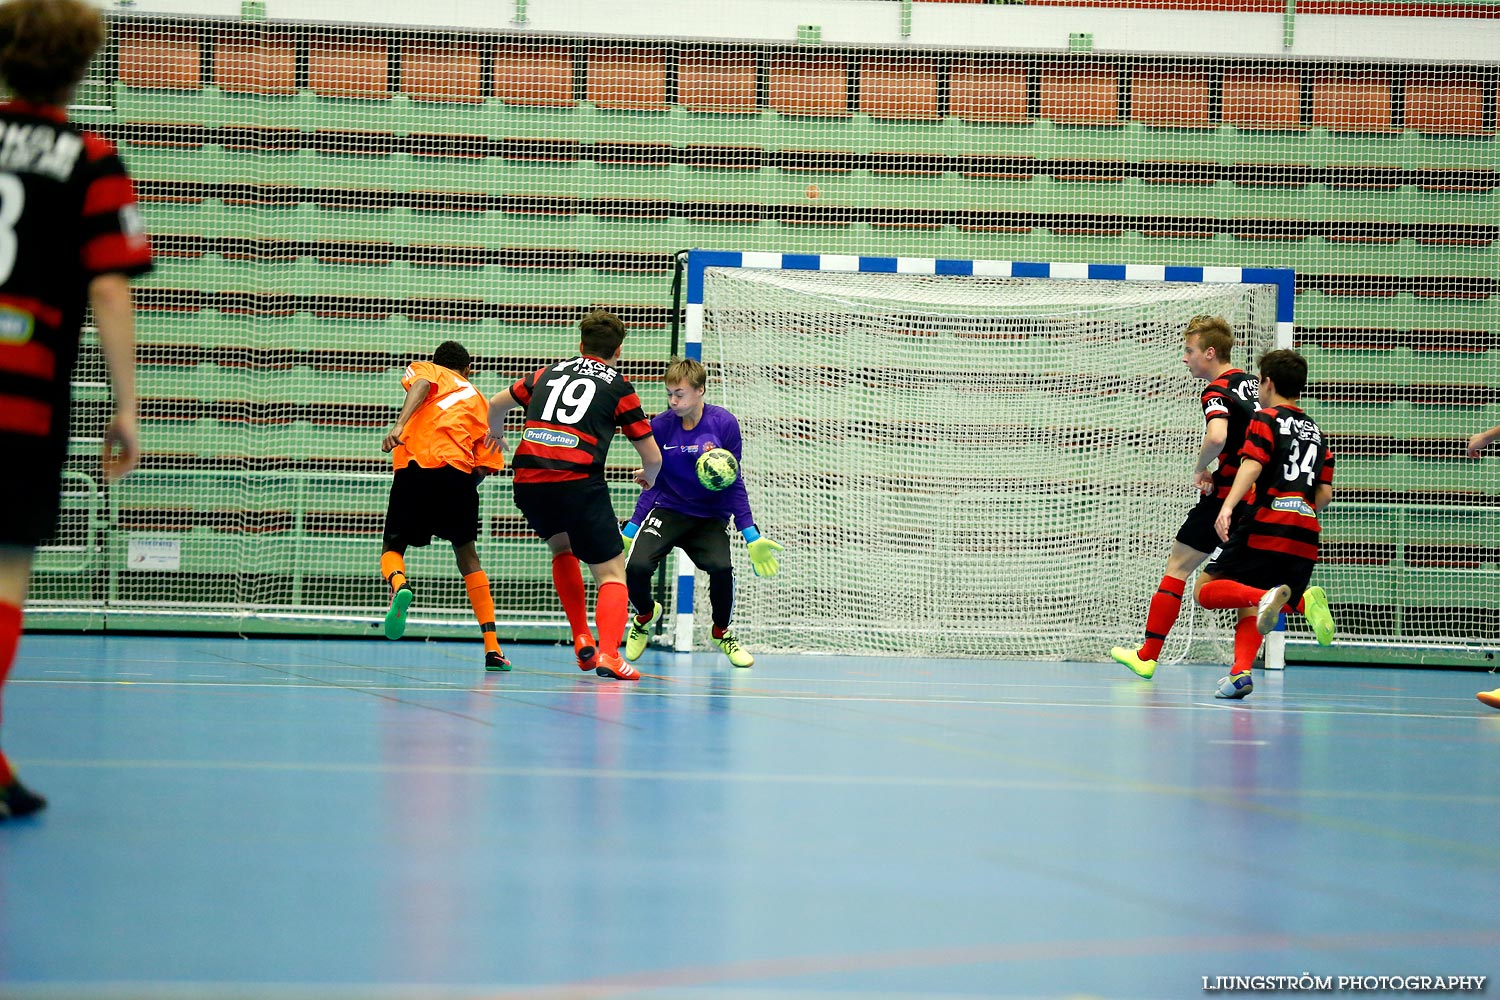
(567, 577)
(1247, 640)
(611, 608)
(478, 586)
(393, 568)
(1161, 616)
(10, 638)
(1229, 594)
(1299, 607)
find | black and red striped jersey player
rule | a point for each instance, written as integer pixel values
(1266, 562)
(70, 238)
(573, 409)
(1228, 400)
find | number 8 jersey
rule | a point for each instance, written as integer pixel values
(572, 410)
(1295, 460)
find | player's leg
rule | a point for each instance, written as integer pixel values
(567, 580)
(595, 536)
(399, 513)
(15, 578)
(477, 585)
(455, 500)
(1219, 593)
(708, 546)
(1195, 540)
(658, 535)
(543, 508)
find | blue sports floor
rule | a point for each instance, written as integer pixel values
(301, 819)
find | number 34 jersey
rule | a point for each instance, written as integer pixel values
(572, 411)
(1295, 460)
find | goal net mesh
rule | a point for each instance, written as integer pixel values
(966, 466)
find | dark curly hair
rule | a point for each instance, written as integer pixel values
(46, 46)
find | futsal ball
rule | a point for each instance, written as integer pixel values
(717, 469)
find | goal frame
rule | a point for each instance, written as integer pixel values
(698, 261)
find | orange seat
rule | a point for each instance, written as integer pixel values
(628, 77)
(438, 71)
(1263, 99)
(898, 89)
(1352, 102)
(343, 66)
(1082, 94)
(1176, 98)
(534, 75)
(1445, 103)
(255, 62)
(988, 90)
(169, 59)
(808, 85)
(722, 82)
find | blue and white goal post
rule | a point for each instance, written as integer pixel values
(698, 264)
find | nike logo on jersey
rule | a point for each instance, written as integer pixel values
(669, 447)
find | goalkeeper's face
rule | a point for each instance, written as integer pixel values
(685, 400)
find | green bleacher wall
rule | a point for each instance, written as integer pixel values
(328, 204)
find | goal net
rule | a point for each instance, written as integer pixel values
(967, 464)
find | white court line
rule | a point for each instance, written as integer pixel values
(1260, 707)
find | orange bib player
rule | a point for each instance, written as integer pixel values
(438, 448)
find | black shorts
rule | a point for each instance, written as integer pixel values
(704, 539)
(30, 504)
(1260, 568)
(427, 502)
(1197, 531)
(582, 510)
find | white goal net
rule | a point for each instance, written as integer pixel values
(966, 466)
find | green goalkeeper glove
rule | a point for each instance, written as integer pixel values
(762, 556)
(627, 534)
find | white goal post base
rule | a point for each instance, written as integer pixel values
(1000, 351)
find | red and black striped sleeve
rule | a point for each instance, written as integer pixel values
(114, 238)
(1216, 402)
(1260, 438)
(1325, 474)
(629, 416)
(522, 388)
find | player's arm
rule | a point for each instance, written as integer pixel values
(114, 314)
(415, 395)
(762, 550)
(650, 453)
(1215, 435)
(501, 403)
(1322, 497)
(1243, 479)
(1483, 440)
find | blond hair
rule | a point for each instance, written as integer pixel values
(686, 371)
(1213, 333)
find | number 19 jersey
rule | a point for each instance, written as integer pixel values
(572, 410)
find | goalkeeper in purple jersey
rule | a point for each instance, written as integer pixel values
(680, 512)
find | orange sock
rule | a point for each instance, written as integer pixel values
(1229, 594)
(1247, 639)
(611, 608)
(567, 577)
(1161, 616)
(478, 586)
(393, 568)
(10, 638)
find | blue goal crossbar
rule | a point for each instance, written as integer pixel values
(699, 261)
